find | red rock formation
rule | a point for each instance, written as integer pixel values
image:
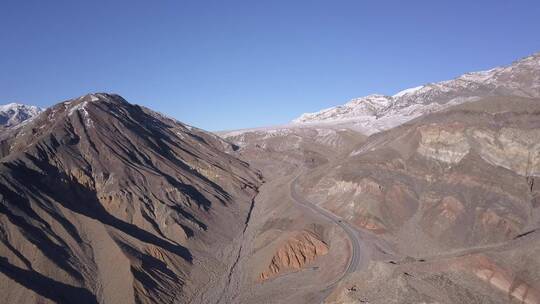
(297, 251)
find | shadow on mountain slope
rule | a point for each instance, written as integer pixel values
(46, 287)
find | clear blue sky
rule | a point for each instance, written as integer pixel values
(234, 64)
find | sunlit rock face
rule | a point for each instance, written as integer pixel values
(511, 148)
(446, 145)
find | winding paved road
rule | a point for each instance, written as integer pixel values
(354, 237)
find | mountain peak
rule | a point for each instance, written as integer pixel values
(14, 114)
(96, 98)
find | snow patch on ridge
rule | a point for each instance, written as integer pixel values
(82, 108)
(407, 91)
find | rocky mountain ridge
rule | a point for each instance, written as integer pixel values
(374, 113)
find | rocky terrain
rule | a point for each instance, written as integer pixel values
(454, 194)
(444, 202)
(103, 201)
(446, 205)
(464, 175)
(279, 151)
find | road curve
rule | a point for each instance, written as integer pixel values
(353, 236)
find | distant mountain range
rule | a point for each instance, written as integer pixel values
(375, 113)
(14, 113)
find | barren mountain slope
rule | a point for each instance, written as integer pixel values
(107, 202)
(291, 254)
(283, 149)
(458, 191)
(459, 177)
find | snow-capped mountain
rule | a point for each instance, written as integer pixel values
(375, 113)
(15, 113)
